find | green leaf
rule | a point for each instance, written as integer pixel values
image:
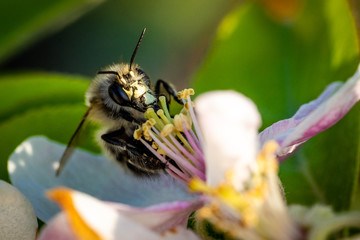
(57, 123)
(22, 22)
(280, 67)
(21, 92)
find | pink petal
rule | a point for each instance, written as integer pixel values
(57, 229)
(280, 130)
(161, 217)
(229, 122)
(314, 117)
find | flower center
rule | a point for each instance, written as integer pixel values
(247, 203)
(174, 140)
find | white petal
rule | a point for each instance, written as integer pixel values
(229, 122)
(32, 169)
(17, 217)
(108, 222)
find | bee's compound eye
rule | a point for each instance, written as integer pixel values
(140, 71)
(118, 94)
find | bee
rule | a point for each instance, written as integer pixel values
(117, 98)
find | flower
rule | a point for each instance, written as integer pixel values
(229, 148)
(17, 217)
(243, 198)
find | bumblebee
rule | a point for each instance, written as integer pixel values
(117, 99)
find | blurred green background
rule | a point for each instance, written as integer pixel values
(280, 53)
(178, 34)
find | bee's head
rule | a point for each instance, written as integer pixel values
(129, 87)
(122, 91)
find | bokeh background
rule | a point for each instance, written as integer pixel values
(178, 34)
(280, 53)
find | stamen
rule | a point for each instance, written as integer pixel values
(167, 130)
(167, 142)
(174, 138)
(163, 104)
(193, 160)
(174, 149)
(184, 94)
(180, 120)
(195, 139)
(182, 162)
(163, 160)
(242, 202)
(150, 113)
(154, 145)
(185, 142)
(166, 120)
(137, 134)
(146, 127)
(177, 177)
(196, 124)
(192, 141)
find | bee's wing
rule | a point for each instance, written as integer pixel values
(72, 144)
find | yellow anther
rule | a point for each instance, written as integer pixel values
(151, 122)
(161, 114)
(132, 73)
(147, 136)
(137, 134)
(146, 128)
(161, 152)
(186, 106)
(150, 114)
(168, 129)
(154, 145)
(162, 99)
(180, 120)
(185, 93)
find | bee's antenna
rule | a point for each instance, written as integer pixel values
(109, 72)
(136, 48)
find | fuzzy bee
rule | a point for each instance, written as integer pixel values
(117, 99)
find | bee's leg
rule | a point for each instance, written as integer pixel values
(114, 137)
(168, 88)
(132, 153)
(119, 138)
